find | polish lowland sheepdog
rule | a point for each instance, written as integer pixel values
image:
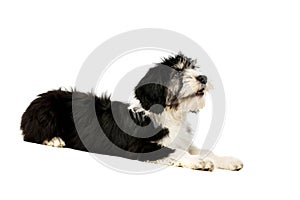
(153, 129)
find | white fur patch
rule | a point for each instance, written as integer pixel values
(228, 163)
(55, 142)
(183, 159)
(220, 162)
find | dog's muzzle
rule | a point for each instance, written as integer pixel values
(200, 92)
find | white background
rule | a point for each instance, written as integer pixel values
(255, 46)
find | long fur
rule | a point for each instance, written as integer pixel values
(153, 129)
(50, 115)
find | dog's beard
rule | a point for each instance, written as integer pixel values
(192, 103)
(191, 97)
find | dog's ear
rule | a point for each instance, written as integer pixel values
(152, 90)
(152, 97)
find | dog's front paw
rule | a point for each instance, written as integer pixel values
(228, 163)
(207, 165)
(195, 162)
(139, 117)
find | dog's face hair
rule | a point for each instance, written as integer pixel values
(176, 83)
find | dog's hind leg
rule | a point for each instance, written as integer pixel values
(55, 142)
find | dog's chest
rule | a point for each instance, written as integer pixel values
(180, 134)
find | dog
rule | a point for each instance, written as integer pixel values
(154, 128)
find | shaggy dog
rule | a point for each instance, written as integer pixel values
(154, 129)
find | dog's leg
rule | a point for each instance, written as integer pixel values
(55, 142)
(221, 162)
(180, 158)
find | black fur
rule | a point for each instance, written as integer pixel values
(172, 62)
(151, 91)
(95, 124)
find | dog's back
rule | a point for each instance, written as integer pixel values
(86, 122)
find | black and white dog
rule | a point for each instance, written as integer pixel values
(153, 129)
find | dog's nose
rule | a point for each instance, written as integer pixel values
(202, 79)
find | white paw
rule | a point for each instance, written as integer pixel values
(195, 162)
(207, 165)
(55, 142)
(228, 163)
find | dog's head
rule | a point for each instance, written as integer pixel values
(175, 83)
